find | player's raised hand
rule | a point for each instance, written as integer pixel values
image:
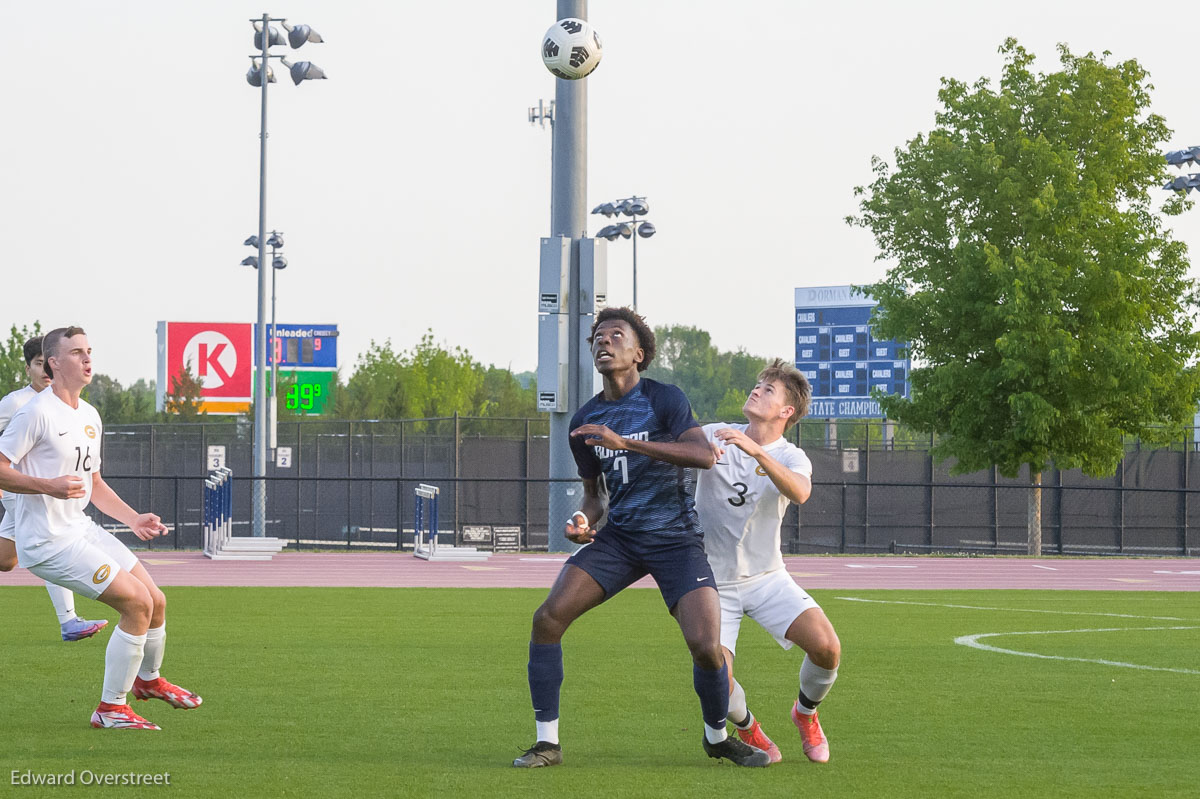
(147, 526)
(598, 435)
(69, 486)
(740, 440)
(579, 530)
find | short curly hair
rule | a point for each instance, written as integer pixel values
(640, 329)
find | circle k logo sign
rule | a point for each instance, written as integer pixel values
(212, 358)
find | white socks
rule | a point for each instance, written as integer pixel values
(546, 731)
(156, 642)
(63, 600)
(737, 706)
(121, 661)
(715, 736)
(815, 683)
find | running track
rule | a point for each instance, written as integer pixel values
(533, 570)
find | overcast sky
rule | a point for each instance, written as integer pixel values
(412, 190)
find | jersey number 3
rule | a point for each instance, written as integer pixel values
(740, 499)
(83, 459)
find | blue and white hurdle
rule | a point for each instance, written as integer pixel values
(425, 525)
(217, 536)
(218, 510)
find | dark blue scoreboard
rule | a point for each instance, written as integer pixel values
(843, 361)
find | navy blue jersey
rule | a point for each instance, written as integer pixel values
(645, 496)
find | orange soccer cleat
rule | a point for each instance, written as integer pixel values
(758, 739)
(120, 717)
(159, 688)
(816, 746)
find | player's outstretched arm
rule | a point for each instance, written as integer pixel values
(691, 449)
(144, 525)
(792, 485)
(68, 486)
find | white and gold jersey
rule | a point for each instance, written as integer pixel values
(13, 402)
(48, 438)
(741, 510)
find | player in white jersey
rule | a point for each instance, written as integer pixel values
(71, 627)
(55, 439)
(741, 502)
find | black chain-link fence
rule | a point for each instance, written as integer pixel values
(350, 485)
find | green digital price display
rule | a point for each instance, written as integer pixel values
(309, 395)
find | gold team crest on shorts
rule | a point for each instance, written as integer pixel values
(101, 574)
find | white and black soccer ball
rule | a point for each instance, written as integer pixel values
(571, 49)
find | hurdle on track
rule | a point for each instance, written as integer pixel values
(218, 510)
(426, 497)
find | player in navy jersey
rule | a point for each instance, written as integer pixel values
(631, 443)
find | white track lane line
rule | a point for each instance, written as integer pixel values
(1047, 568)
(973, 642)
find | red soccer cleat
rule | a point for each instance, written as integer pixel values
(816, 746)
(759, 740)
(173, 695)
(120, 717)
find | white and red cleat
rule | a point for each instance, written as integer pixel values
(120, 717)
(816, 746)
(758, 739)
(159, 688)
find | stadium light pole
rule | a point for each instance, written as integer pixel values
(631, 207)
(278, 261)
(261, 75)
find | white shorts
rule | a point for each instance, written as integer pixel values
(89, 564)
(773, 600)
(8, 525)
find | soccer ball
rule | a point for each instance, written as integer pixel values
(571, 49)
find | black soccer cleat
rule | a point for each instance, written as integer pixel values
(539, 755)
(736, 752)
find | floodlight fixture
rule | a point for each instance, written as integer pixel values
(254, 75)
(306, 70)
(251, 242)
(275, 242)
(250, 260)
(646, 230)
(275, 37)
(279, 263)
(299, 34)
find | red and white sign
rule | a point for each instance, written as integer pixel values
(219, 355)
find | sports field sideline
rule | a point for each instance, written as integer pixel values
(531, 570)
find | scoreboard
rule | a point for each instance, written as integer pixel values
(838, 353)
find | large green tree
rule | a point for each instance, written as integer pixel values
(716, 382)
(1046, 304)
(430, 380)
(119, 405)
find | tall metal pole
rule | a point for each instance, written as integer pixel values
(259, 521)
(635, 238)
(568, 217)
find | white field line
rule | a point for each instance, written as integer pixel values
(973, 642)
(1010, 610)
(1047, 568)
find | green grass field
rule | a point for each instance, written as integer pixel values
(422, 692)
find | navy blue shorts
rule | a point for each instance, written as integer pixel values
(678, 565)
